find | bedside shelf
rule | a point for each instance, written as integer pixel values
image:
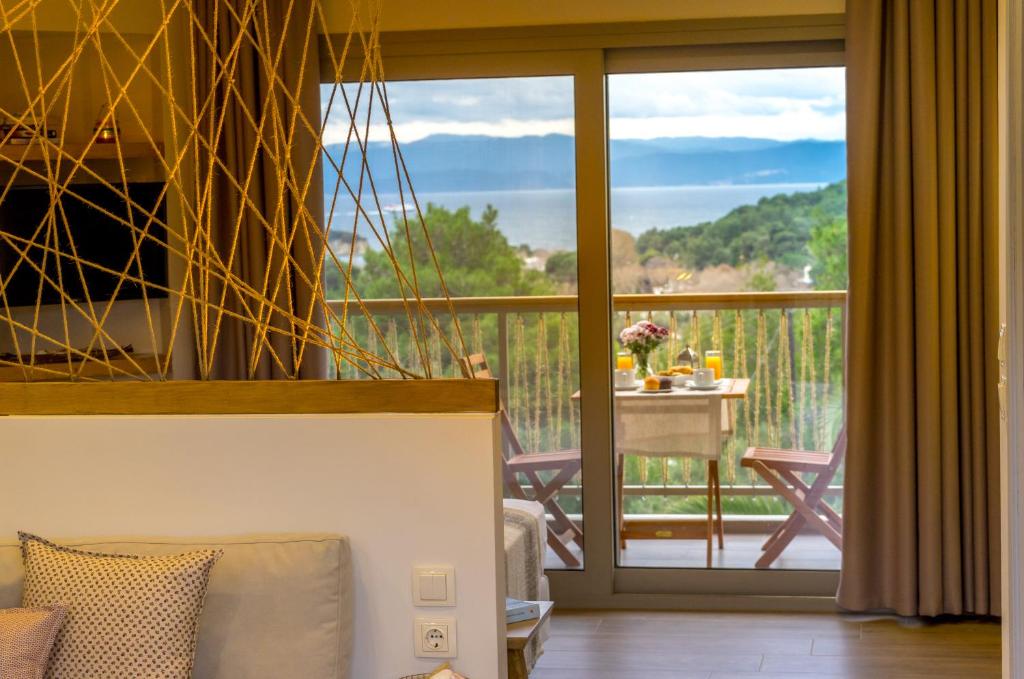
(34, 152)
(58, 372)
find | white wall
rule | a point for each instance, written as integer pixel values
(1011, 275)
(405, 489)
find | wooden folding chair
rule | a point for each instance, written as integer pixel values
(782, 469)
(563, 464)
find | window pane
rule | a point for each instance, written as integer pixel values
(728, 180)
(492, 163)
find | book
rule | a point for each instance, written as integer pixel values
(520, 611)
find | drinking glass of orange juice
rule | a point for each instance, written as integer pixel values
(713, 360)
(624, 361)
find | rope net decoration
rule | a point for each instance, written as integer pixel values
(172, 99)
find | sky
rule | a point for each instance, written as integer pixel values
(783, 104)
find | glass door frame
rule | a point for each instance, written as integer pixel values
(589, 55)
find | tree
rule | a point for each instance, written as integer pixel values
(760, 277)
(474, 255)
(561, 267)
(828, 252)
(776, 228)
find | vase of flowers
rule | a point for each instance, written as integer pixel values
(641, 339)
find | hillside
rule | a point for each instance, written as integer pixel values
(442, 163)
(776, 228)
(778, 235)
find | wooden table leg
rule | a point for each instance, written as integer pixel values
(711, 506)
(517, 664)
(718, 505)
(620, 488)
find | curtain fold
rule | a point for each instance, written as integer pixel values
(261, 194)
(921, 512)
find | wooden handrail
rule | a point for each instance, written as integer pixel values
(798, 299)
(709, 301)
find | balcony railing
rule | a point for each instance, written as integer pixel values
(789, 344)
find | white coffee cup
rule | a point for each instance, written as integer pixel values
(624, 379)
(704, 377)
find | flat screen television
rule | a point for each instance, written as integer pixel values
(97, 237)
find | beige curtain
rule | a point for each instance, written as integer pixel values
(269, 171)
(922, 491)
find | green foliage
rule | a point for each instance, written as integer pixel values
(776, 228)
(761, 279)
(474, 255)
(828, 251)
(561, 267)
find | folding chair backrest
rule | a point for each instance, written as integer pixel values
(476, 365)
(838, 452)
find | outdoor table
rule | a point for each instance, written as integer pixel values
(683, 422)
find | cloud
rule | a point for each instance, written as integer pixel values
(794, 125)
(782, 104)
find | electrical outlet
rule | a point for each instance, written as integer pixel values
(435, 638)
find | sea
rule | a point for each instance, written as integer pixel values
(545, 219)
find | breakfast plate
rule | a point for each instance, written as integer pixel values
(656, 391)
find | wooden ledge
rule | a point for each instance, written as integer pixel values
(242, 398)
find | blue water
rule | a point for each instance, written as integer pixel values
(546, 218)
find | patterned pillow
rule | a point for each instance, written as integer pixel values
(26, 637)
(128, 616)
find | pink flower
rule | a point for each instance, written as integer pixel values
(642, 337)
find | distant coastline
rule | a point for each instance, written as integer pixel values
(444, 163)
(545, 219)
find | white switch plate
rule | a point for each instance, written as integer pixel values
(435, 638)
(433, 586)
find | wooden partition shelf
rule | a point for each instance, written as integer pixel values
(112, 367)
(19, 153)
(266, 397)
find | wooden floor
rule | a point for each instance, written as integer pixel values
(808, 552)
(655, 645)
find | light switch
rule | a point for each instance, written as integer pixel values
(433, 586)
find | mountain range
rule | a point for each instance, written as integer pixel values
(451, 163)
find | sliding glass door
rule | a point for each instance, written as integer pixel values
(728, 239)
(574, 193)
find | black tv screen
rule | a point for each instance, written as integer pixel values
(82, 226)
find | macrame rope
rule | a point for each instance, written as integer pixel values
(210, 292)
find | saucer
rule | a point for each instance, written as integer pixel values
(708, 387)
